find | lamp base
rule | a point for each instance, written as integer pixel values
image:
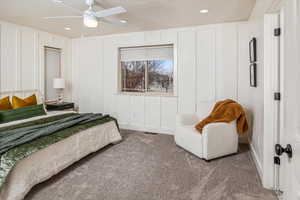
(60, 98)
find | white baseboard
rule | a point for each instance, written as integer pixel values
(256, 161)
(147, 129)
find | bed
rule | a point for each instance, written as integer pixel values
(47, 159)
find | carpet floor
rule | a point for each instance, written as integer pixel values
(151, 167)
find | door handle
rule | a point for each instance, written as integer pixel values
(279, 150)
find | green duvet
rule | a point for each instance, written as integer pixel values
(16, 151)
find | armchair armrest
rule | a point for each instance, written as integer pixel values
(186, 119)
(219, 139)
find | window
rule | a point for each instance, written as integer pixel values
(147, 69)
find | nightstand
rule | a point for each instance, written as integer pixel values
(60, 106)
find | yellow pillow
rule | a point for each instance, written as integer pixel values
(20, 103)
(5, 104)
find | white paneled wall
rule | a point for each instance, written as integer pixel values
(152, 110)
(110, 75)
(206, 65)
(168, 113)
(10, 40)
(137, 112)
(22, 58)
(28, 59)
(187, 71)
(226, 61)
(206, 70)
(253, 98)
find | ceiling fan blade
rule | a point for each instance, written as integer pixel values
(68, 6)
(62, 17)
(98, 4)
(110, 11)
(113, 21)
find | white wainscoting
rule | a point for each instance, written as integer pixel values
(206, 64)
(22, 58)
(147, 113)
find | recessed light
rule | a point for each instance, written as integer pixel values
(123, 21)
(204, 11)
(67, 28)
(58, 1)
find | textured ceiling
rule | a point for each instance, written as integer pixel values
(142, 15)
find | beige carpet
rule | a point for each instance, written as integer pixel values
(152, 167)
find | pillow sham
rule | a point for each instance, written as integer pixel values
(20, 103)
(21, 113)
(5, 104)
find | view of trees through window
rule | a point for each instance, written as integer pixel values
(147, 76)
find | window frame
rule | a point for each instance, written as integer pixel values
(146, 93)
(60, 51)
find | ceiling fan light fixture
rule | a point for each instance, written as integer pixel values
(58, 1)
(90, 20)
(203, 11)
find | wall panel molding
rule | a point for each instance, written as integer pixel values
(206, 66)
(22, 57)
(187, 71)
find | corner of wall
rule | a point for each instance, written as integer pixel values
(256, 161)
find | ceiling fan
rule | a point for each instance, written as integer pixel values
(91, 17)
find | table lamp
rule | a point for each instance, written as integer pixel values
(59, 84)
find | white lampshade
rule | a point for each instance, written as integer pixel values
(58, 83)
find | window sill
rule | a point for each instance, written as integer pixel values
(151, 94)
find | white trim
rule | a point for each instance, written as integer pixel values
(147, 129)
(271, 107)
(282, 88)
(256, 161)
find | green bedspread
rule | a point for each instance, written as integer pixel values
(21, 150)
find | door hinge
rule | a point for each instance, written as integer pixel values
(277, 32)
(277, 96)
(276, 160)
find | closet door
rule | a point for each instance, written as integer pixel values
(52, 70)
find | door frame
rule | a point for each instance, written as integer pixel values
(271, 107)
(290, 122)
(60, 75)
